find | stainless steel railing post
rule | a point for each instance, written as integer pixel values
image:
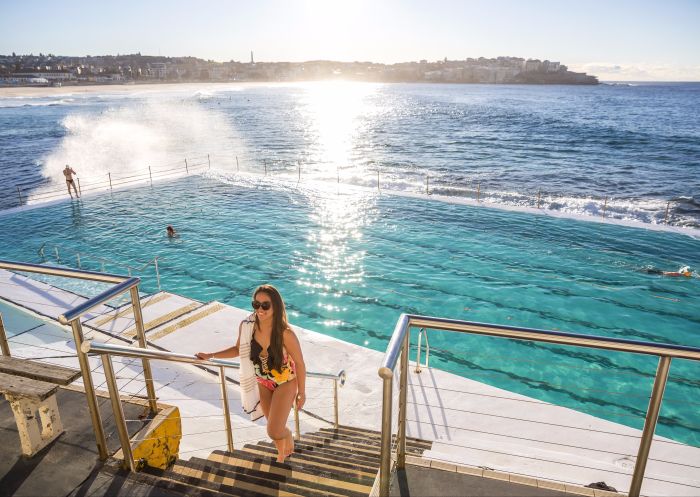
(385, 457)
(118, 412)
(155, 260)
(89, 390)
(227, 413)
(657, 394)
(3, 339)
(403, 388)
(141, 334)
(420, 339)
(297, 428)
(335, 403)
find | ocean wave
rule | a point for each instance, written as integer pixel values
(21, 102)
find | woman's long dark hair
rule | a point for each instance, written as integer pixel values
(279, 325)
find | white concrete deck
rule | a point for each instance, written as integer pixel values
(470, 422)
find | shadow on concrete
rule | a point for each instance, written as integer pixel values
(417, 481)
(70, 459)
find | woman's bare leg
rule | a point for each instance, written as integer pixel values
(282, 399)
(265, 400)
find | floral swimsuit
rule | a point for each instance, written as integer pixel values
(271, 379)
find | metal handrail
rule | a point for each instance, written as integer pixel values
(419, 366)
(102, 260)
(72, 317)
(4, 346)
(107, 350)
(398, 348)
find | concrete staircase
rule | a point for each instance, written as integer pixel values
(329, 462)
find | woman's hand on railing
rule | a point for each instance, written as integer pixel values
(204, 356)
(301, 399)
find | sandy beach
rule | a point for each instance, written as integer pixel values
(50, 91)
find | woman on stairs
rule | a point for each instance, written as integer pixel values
(271, 358)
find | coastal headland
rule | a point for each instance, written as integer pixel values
(52, 70)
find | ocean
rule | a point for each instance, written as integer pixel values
(625, 151)
(286, 193)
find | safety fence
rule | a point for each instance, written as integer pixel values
(497, 430)
(110, 181)
(95, 262)
(388, 178)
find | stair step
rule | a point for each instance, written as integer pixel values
(352, 481)
(348, 430)
(310, 485)
(352, 444)
(340, 445)
(229, 484)
(154, 482)
(416, 443)
(340, 462)
(321, 450)
(340, 469)
(372, 441)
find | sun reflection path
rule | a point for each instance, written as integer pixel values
(335, 113)
(335, 241)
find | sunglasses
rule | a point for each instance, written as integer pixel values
(265, 305)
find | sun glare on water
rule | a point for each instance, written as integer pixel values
(334, 113)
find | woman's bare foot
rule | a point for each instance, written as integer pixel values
(289, 445)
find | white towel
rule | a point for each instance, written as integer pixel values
(250, 396)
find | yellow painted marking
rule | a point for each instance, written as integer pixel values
(226, 480)
(222, 479)
(187, 321)
(154, 323)
(371, 468)
(370, 474)
(335, 443)
(159, 444)
(129, 310)
(245, 463)
(358, 434)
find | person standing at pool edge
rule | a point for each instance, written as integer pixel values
(266, 340)
(68, 173)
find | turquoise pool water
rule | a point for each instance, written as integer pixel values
(348, 264)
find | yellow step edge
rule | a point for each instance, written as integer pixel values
(128, 310)
(197, 472)
(337, 444)
(333, 448)
(291, 473)
(369, 474)
(375, 436)
(344, 441)
(187, 321)
(154, 323)
(229, 481)
(371, 468)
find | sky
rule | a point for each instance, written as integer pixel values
(620, 40)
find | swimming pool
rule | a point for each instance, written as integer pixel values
(349, 263)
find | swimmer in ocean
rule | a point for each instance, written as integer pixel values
(683, 271)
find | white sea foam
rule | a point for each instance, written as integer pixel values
(126, 140)
(573, 208)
